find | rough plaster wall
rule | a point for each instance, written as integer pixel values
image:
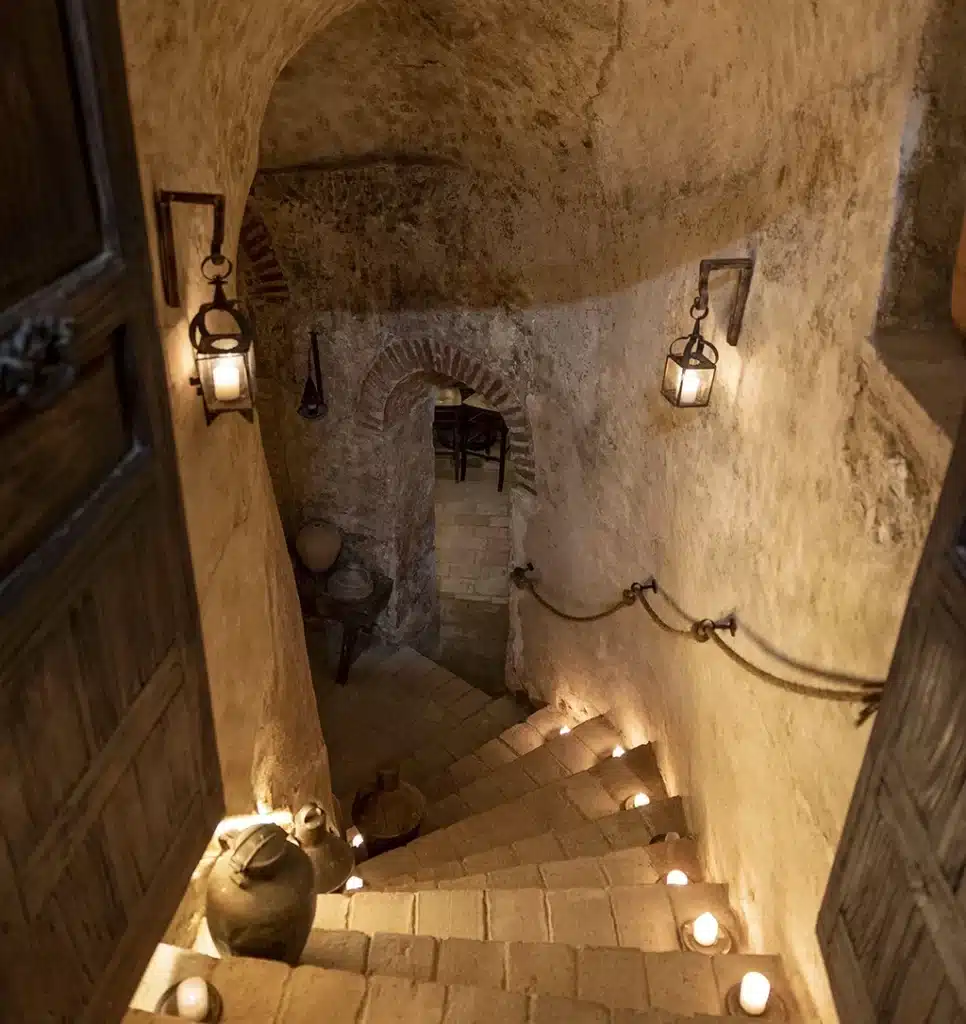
(932, 182)
(358, 246)
(801, 497)
(200, 72)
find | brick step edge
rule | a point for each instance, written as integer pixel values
(636, 865)
(262, 990)
(621, 831)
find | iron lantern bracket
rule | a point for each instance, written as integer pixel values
(744, 265)
(166, 248)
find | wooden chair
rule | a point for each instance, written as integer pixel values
(482, 427)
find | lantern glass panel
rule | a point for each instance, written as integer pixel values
(685, 385)
(227, 381)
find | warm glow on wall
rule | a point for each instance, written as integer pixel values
(239, 822)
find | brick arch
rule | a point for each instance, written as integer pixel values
(401, 364)
(264, 278)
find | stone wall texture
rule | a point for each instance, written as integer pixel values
(535, 185)
(200, 73)
(932, 180)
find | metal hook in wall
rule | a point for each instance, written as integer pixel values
(313, 405)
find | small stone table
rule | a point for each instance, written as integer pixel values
(356, 617)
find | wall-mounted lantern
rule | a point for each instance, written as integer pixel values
(220, 332)
(690, 368)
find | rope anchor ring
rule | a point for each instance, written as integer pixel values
(704, 629)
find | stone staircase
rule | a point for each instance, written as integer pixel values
(537, 893)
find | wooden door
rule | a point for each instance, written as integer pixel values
(893, 922)
(109, 777)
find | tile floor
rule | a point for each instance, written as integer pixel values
(472, 568)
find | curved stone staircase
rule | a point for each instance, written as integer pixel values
(537, 893)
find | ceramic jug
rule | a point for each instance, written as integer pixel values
(260, 900)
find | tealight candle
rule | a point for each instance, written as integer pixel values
(192, 1000)
(641, 800)
(226, 379)
(355, 837)
(353, 883)
(676, 877)
(753, 994)
(705, 930)
(618, 751)
(564, 730)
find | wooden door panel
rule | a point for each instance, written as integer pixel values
(109, 778)
(64, 452)
(54, 224)
(893, 921)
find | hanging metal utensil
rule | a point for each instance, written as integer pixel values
(313, 406)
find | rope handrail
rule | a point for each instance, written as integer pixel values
(843, 688)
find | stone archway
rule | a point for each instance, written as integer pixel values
(402, 361)
(265, 280)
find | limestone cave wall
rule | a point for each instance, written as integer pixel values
(200, 73)
(544, 207)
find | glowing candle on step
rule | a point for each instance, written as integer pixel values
(705, 930)
(355, 882)
(641, 800)
(355, 837)
(226, 379)
(676, 877)
(191, 999)
(564, 730)
(618, 751)
(753, 994)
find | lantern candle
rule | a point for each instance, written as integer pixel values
(226, 379)
(676, 877)
(690, 385)
(705, 930)
(753, 994)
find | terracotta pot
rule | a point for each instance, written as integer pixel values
(389, 813)
(959, 283)
(260, 900)
(332, 858)
(318, 545)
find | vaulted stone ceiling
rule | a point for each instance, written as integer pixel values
(649, 93)
(484, 83)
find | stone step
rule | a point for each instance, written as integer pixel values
(262, 991)
(615, 978)
(456, 718)
(588, 796)
(533, 750)
(544, 828)
(635, 866)
(646, 917)
(596, 787)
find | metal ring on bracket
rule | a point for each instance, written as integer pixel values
(697, 311)
(217, 261)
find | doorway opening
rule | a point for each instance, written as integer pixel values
(472, 514)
